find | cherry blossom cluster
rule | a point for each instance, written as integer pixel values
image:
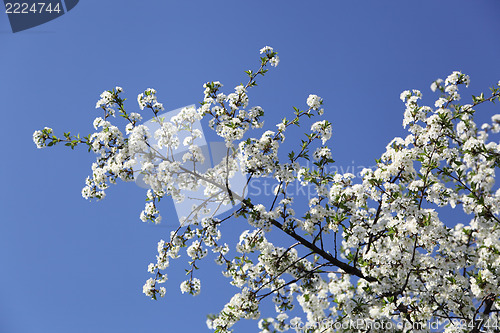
(373, 249)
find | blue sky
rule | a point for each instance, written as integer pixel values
(69, 265)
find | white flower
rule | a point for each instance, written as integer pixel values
(195, 251)
(97, 122)
(404, 95)
(314, 102)
(436, 84)
(266, 49)
(322, 152)
(192, 287)
(274, 61)
(39, 137)
(324, 129)
(106, 98)
(140, 99)
(440, 102)
(134, 116)
(149, 287)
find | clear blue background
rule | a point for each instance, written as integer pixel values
(68, 265)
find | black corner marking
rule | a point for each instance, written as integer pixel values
(70, 4)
